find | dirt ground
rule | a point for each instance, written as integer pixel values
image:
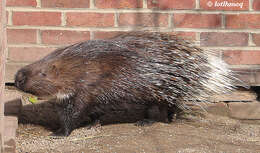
(195, 132)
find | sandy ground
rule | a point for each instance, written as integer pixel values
(196, 132)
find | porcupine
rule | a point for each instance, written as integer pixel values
(138, 69)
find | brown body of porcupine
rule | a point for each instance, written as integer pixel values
(138, 69)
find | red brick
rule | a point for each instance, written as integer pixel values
(243, 21)
(65, 3)
(245, 75)
(63, 37)
(211, 5)
(256, 5)
(185, 35)
(223, 39)
(119, 4)
(37, 18)
(256, 74)
(32, 3)
(171, 4)
(106, 35)
(27, 54)
(238, 57)
(18, 36)
(143, 19)
(256, 39)
(90, 19)
(197, 20)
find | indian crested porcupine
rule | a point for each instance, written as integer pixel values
(137, 69)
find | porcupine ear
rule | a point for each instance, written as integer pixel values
(54, 70)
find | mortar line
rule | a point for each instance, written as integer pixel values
(116, 19)
(91, 35)
(38, 36)
(35, 45)
(250, 40)
(197, 37)
(250, 5)
(10, 16)
(63, 19)
(170, 21)
(197, 4)
(223, 21)
(246, 48)
(15, 63)
(39, 3)
(133, 28)
(221, 54)
(86, 10)
(145, 6)
(92, 4)
(7, 53)
(245, 66)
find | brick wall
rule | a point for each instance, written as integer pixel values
(2, 69)
(36, 27)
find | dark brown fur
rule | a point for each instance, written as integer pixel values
(151, 71)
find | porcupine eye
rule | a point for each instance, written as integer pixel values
(42, 74)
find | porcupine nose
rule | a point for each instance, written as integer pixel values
(20, 79)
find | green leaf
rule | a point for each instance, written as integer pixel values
(33, 100)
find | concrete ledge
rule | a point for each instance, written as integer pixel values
(236, 110)
(11, 124)
(236, 96)
(12, 100)
(12, 104)
(245, 111)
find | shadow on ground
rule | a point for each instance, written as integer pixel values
(45, 114)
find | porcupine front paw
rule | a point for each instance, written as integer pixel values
(144, 122)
